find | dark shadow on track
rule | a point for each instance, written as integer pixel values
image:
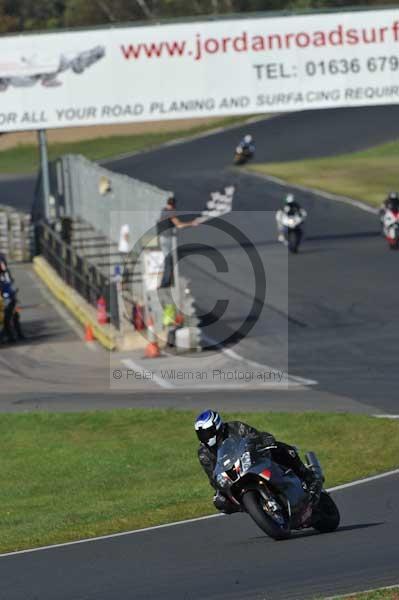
(191, 249)
(343, 236)
(298, 535)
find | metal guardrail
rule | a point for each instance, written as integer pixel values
(77, 271)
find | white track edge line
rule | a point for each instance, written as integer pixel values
(111, 535)
(350, 595)
(194, 520)
(385, 416)
(344, 486)
(327, 195)
(235, 356)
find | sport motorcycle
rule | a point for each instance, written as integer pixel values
(272, 495)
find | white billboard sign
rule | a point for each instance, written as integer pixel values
(222, 67)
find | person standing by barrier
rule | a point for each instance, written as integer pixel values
(167, 223)
(125, 247)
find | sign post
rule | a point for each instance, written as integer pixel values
(44, 172)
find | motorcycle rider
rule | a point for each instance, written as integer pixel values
(212, 431)
(11, 324)
(391, 202)
(5, 275)
(291, 207)
(247, 145)
(166, 225)
(390, 218)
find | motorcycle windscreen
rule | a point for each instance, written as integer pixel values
(229, 452)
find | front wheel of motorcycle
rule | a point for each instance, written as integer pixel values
(326, 515)
(276, 527)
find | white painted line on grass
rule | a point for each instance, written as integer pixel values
(164, 526)
(158, 380)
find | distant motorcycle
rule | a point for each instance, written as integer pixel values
(242, 155)
(273, 496)
(292, 228)
(390, 223)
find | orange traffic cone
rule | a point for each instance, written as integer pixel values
(89, 335)
(152, 349)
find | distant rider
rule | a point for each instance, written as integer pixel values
(291, 207)
(11, 323)
(212, 431)
(247, 145)
(5, 275)
(391, 202)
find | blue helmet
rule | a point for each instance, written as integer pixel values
(207, 425)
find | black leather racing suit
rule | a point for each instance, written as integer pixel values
(281, 453)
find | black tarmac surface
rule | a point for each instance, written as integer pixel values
(341, 299)
(222, 558)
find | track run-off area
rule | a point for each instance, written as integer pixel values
(333, 322)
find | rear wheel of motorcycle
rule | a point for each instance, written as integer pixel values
(326, 515)
(253, 501)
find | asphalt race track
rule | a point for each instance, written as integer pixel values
(342, 307)
(336, 321)
(222, 557)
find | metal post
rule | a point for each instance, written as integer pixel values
(121, 308)
(176, 271)
(45, 172)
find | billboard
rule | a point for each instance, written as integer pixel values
(208, 68)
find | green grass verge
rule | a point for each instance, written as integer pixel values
(69, 476)
(383, 594)
(368, 175)
(25, 157)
